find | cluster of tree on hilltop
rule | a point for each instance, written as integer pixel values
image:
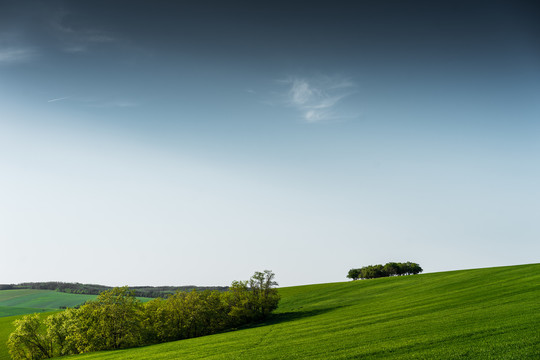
(117, 319)
(93, 289)
(388, 269)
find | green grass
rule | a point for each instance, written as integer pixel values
(6, 327)
(12, 310)
(471, 314)
(41, 299)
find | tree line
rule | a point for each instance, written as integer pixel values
(117, 319)
(93, 289)
(388, 269)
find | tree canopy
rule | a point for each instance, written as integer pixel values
(117, 319)
(389, 269)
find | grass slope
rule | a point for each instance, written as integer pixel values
(41, 299)
(471, 314)
(6, 327)
(12, 310)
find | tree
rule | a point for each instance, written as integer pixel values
(116, 319)
(156, 323)
(391, 269)
(354, 274)
(112, 321)
(372, 271)
(29, 340)
(239, 303)
(59, 329)
(415, 268)
(265, 296)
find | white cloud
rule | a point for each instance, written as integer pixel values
(301, 92)
(317, 98)
(15, 55)
(99, 103)
(58, 99)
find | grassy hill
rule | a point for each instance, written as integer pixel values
(6, 327)
(13, 310)
(471, 314)
(40, 299)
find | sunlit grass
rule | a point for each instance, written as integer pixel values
(476, 314)
(41, 299)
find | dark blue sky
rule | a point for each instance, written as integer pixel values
(340, 133)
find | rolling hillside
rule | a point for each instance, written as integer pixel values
(41, 299)
(471, 314)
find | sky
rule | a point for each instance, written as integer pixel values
(196, 142)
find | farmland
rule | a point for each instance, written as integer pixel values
(490, 313)
(40, 299)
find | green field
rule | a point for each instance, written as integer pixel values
(13, 310)
(6, 327)
(41, 299)
(489, 313)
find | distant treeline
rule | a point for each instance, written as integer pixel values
(388, 269)
(117, 319)
(92, 289)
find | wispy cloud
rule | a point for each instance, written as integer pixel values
(115, 103)
(75, 49)
(14, 55)
(58, 99)
(77, 39)
(317, 98)
(98, 103)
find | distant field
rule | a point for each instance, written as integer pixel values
(489, 313)
(41, 299)
(12, 310)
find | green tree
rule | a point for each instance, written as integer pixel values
(239, 302)
(154, 322)
(29, 340)
(354, 274)
(391, 269)
(112, 321)
(59, 329)
(116, 319)
(415, 268)
(265, 297)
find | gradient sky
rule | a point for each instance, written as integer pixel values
(195, 142)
